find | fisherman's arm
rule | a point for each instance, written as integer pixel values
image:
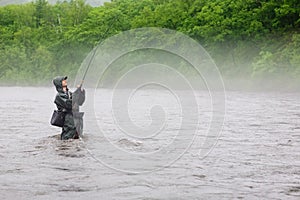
(63, 102)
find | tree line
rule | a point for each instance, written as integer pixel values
(254, 39)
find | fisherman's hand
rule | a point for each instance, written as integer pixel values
(80, 87)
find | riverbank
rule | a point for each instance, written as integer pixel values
(271, 85)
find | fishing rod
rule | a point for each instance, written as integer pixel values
(89, 64)
(94, 53)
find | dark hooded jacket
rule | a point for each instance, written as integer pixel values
(63, 101)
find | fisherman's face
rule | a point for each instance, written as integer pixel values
(64, 83)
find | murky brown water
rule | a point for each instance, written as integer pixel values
(256, 157)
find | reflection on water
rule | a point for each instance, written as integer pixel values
(256, 157)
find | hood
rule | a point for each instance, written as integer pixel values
(57, 81)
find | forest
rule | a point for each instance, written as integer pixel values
(253, 40)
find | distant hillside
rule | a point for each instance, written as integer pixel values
(253, 41)
(91, 2)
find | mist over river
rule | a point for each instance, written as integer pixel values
(256, 156)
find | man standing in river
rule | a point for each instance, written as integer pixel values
(69, 103)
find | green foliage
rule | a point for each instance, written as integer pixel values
(246, 38)
(35, 43)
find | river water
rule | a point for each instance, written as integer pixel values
(256, 156)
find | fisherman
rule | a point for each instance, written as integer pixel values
(69, 103)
